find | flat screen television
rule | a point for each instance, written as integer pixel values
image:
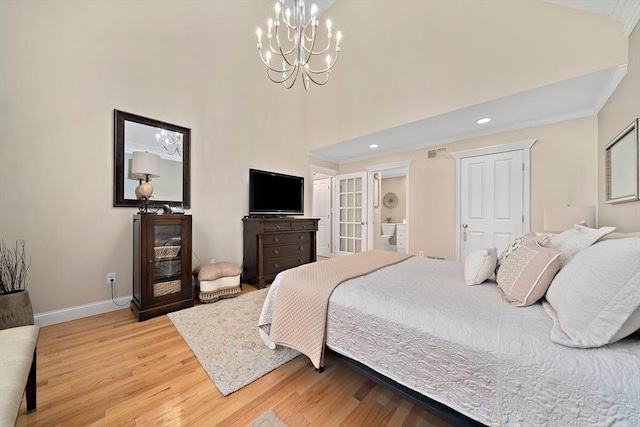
(275, 194)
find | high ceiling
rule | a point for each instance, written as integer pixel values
(579, 97)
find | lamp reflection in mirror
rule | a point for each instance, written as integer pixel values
(144, 165)
(561, 218)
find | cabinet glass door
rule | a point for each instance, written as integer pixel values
(167, 260)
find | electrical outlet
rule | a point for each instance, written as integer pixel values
(421, 254)
(111, 278)
(212, 261)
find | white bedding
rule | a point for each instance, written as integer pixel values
(419, 324)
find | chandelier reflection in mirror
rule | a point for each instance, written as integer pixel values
(171, 142)
(291, 39)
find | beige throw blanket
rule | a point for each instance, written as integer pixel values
(300, 314)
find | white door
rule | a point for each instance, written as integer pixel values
(491, 201)
(350, 218)
(322, 209)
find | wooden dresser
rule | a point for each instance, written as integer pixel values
(275, 244)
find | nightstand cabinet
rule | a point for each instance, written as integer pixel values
(161, 264)
(272, 245)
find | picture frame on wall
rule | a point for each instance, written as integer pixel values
(622, 160)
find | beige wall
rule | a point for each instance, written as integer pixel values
(65, 66)
(407, 60)
(563, 171)
(620, 110)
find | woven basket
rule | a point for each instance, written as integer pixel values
(167, 288)
(165, 252)
(15, 310)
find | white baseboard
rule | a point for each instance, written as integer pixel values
(72, 313)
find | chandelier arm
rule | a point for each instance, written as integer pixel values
(325, 70)
(309, 77)
(269, 67)
(283, 79)
(279, 51)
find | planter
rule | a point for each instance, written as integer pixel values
(15, 310)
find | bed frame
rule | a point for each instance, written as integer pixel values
(440, 410)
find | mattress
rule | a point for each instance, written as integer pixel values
(419, 324)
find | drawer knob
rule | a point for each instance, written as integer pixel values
(275, 251)
(301, 248)
(300, 261)
(300, 237)
(275, 239)
(304, 226)
(276, 266)
(278, 227)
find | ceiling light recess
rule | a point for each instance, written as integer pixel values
(483, 121)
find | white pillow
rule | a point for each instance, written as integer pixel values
(595, 299)
(572, 241)
(479, 265)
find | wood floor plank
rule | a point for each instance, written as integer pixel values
(111, 370)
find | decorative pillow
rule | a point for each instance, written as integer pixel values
(595, 299)
(618, 235)
(526, 275)
(479, 265)
(572, 241)
(541, 238)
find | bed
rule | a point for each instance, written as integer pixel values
(471, 356)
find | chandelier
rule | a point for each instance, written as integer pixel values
(292, 39)
(170, 141)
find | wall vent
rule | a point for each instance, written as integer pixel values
(436, 257)
(436, 153)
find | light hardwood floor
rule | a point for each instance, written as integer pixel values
(110, 370)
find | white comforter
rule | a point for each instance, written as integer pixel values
(464, 346)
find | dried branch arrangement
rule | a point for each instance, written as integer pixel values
(13, 268)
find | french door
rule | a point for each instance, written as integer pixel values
(350, 220)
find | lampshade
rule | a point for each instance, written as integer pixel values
(560, 218)
(145, 164)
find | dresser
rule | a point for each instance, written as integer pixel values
(161, 264)
(272, 245)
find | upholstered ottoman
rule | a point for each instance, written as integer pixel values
(218, 280)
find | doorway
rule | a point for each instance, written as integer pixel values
(389, 207)
(322, 208)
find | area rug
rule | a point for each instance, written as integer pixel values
(224, 337)
(268, 419)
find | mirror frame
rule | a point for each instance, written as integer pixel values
(119, 199)
(610, 167)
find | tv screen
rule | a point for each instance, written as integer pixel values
(274, 194)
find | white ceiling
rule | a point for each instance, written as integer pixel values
(579, 97)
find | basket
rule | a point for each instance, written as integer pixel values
(166, 252)
(167, 288)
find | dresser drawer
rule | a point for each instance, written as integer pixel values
(277, 265)
(277, 225)
(305, 225)
(285, 238)
(287, 250)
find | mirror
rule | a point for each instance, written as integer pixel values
(171, 142)
(621, 166)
